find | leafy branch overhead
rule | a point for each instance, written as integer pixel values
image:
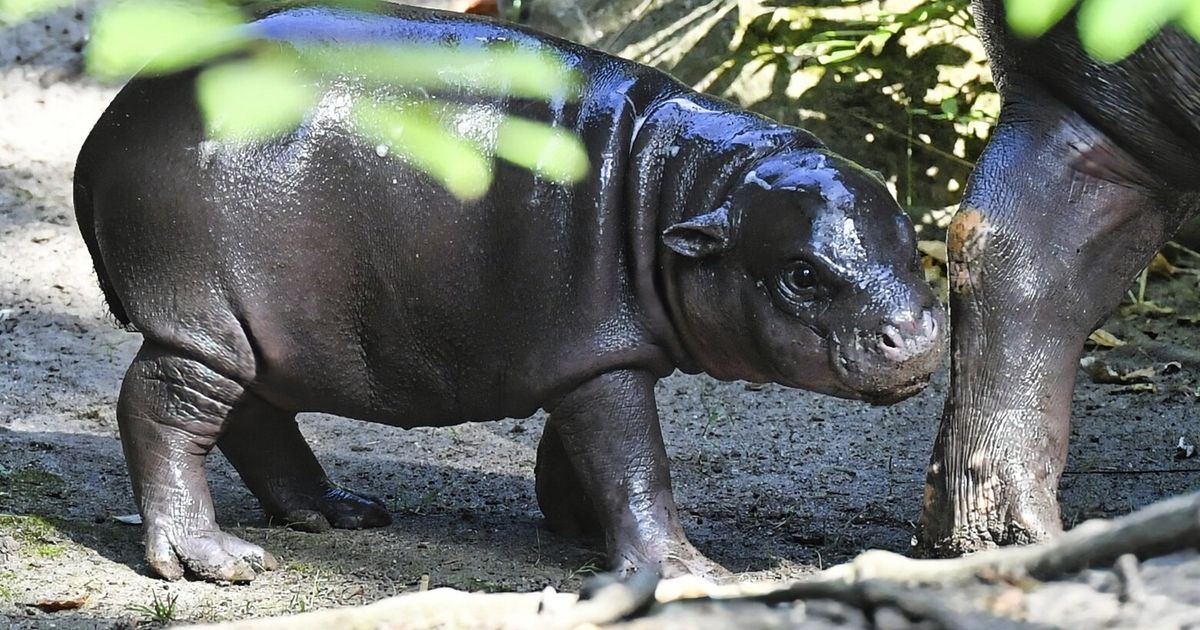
(1109, 30)
(267, 90)
(901, 85)
(252, 89)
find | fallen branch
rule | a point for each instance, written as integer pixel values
(1164, 527)
(873, 581)
(438, 608)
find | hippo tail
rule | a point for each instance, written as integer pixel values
(84, 217)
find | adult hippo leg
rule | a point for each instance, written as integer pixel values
(1056, 222)
(264, 444)
(171, 412)
(610, 434)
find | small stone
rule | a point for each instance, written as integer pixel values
(128, 519)
(1184, 449)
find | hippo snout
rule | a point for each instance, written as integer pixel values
(895, 358)
(908, 336)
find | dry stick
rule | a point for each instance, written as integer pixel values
(438, 608)
(1133, 587)
(1186, 250)
(1164, 527)
(868, 596)
(868, 582)
(611, 602)
(621, 600)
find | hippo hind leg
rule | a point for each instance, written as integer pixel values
(567, 507)
(603, 468)
(264, 444)
(172, 410)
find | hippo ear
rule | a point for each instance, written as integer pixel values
(705, 235)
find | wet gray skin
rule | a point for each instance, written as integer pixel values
(1090, 170)
(311, 273)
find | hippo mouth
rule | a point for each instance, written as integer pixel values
(898, 393)
(876, 389)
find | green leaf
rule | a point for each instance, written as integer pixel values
(253, 100)
(417, 133)
(1111, 30)
(160, 36)
(1032, 18)
(506, 72)
(551, 152)
(950, 107)
(1189, 19)
(18, 10)
(839, 56)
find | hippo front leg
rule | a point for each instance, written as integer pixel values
(1055, 224)
(608, 431)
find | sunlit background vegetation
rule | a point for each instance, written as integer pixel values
(900, 85)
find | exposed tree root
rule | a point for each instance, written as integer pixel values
(874, 581)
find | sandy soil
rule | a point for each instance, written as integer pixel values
(771, 482)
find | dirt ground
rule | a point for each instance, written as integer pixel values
(772, 483)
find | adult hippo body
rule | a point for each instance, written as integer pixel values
(312, 273)
(1090, 170)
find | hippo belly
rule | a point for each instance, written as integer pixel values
(1088, 173)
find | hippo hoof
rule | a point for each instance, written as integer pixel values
(212, 555)
(968, 539)
(338, 508)
(965, 521)
(683, 559)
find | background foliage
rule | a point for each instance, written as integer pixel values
(249, 89)
(900, 85)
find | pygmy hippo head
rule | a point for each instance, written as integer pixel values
(807, 275)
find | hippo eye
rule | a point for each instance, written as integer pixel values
(799, 280)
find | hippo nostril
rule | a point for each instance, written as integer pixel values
(891, 337)
(929, 326)
(892, 344)
(907, 336)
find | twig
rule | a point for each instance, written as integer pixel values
(1187, 250)
(1147, 471)
(872, 582)
(869, 596)
(612, 601)
(1133, 587)
(439, 607)
(878, 126)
